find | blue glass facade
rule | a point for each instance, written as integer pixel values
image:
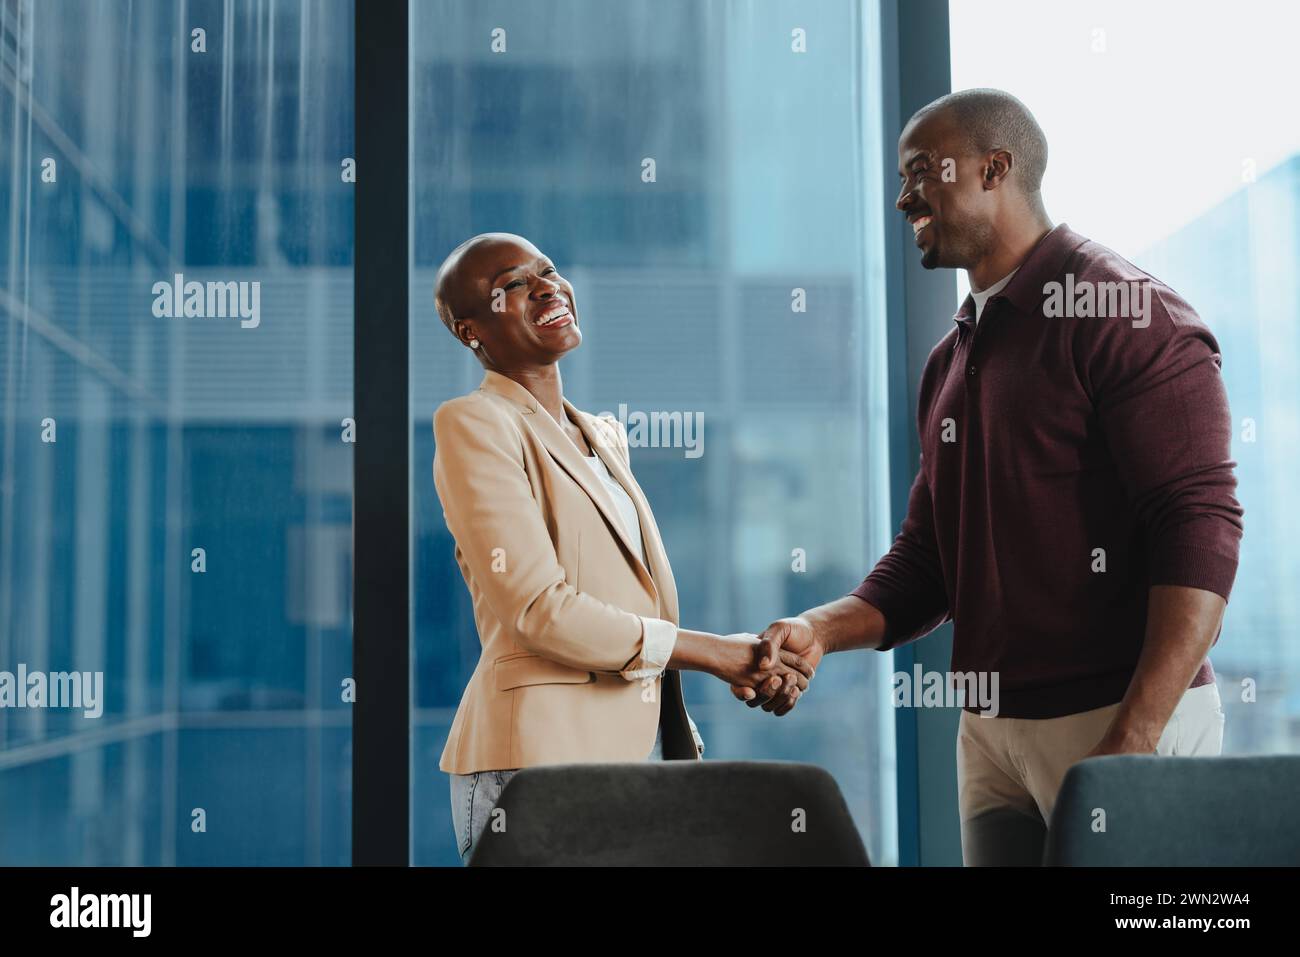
(176, 492)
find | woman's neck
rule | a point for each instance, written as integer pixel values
(544, 384)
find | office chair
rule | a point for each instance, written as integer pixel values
(1177, 812)
(665, 813)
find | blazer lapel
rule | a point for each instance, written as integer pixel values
(656, 556)
(567, 456)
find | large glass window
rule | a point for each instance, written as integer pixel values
(1172, 142)
(175, 473)
(707, 176)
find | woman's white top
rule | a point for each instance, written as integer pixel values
(659, 637)
(622, 501)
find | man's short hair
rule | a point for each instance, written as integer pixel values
(994, 119)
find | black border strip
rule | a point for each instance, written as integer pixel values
(381, 717)
(915, 69)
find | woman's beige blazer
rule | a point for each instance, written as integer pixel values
(558, 592)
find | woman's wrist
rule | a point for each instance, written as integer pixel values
(698, 651)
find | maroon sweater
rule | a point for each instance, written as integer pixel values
(1043, 440)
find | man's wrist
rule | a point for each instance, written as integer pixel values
(1133, 733)
(816, 622)
(847, 624)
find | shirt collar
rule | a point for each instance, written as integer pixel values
(1041, 266)
(997, 287)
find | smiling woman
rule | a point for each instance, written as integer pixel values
(525, 297)
(539, 496)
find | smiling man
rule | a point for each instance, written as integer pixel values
(1074, 514)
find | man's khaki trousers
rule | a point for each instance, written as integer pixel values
(1009, 770)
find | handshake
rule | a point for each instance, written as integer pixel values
(770, 670)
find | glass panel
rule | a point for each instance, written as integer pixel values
(176, 347)
(765, 197)
(1166, 147)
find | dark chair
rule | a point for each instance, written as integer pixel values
(657, 813)
(1177, 812)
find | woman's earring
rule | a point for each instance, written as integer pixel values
(473, 343)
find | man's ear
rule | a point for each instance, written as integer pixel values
(997, 168)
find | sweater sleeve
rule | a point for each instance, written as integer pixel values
(907, 584)
(1163, 409)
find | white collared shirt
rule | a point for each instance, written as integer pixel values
(658, 635)
(623, 501)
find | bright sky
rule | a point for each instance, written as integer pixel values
(1155, 127)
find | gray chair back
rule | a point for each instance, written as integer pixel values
(666, 813)
(1140, 810)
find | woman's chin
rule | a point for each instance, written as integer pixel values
(569, 339)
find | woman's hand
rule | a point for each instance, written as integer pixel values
(781, 684)
(795, 634)
(735, 660)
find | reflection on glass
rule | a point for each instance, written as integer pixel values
(175, 359)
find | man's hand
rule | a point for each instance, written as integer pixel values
(1182, 623)
(782, 637)
(1118, 741)
(762, 671)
